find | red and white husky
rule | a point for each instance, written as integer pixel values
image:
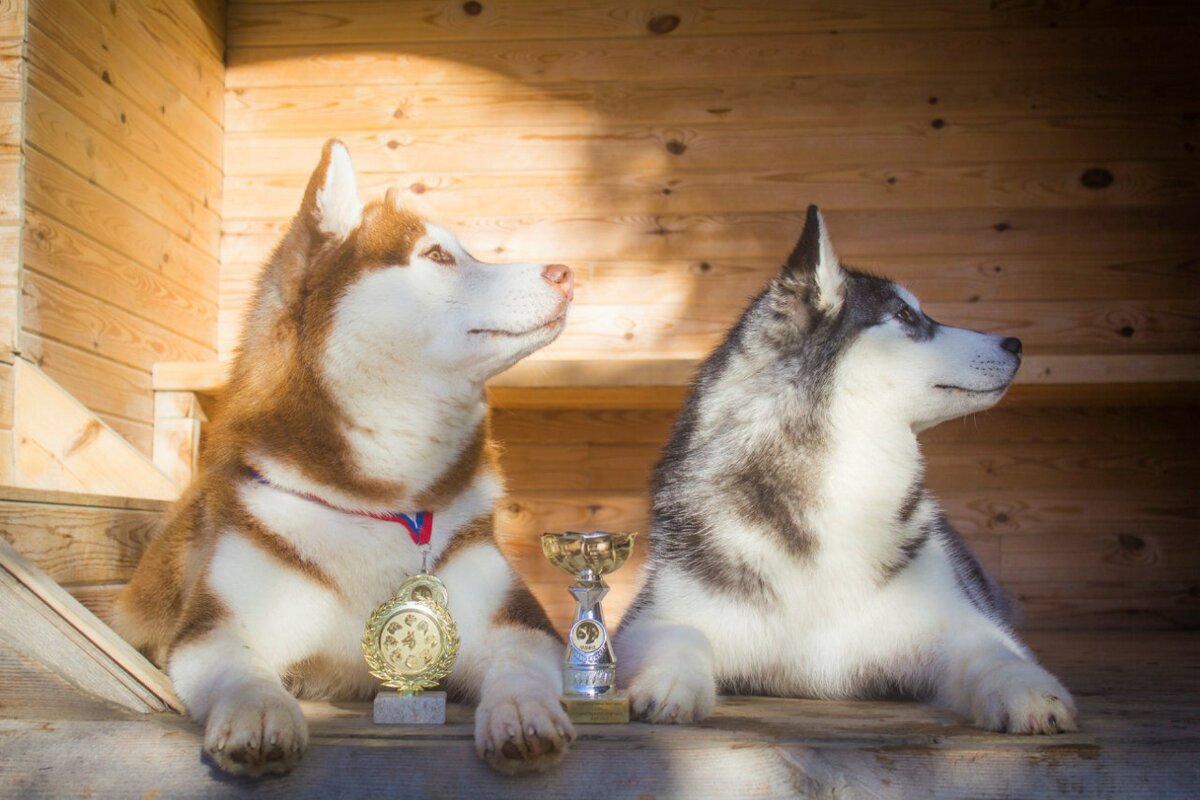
(358, 390)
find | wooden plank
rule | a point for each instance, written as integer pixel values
(10, 200)
(56, 131)
(364, 22)
(1100, 466)
(55, 191)
(79, 544)
(961, 278)
(104, 386)
(1136, 557)
(793, 99)
(1109, 327)
(667, 58)
(81, 640)
(1066, 605)
(135, 432)
(12, 19)
(613, 375)
(1007, 423)
(62, 445)
(29, 690)
(60, 312)
(177, 425)
(58, 74)
(69, 256)
(735, 235)
(20, 494)
(927, 139)
(1027, 184)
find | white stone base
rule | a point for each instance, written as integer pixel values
(424, 708)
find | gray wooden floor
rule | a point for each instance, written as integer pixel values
(1137, 694)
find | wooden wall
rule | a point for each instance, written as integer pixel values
(123, 133)
(1025, 167)
(12, 90)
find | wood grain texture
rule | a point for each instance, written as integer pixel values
(549, 61)
(61, 445)
(122, 188)
(80, 647)
(1127, 685)
(795, 99)
(376, 23)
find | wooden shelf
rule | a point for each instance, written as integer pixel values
(659, 383)
(1138, 737)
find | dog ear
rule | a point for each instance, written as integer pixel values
(814, 262)
(331, 205)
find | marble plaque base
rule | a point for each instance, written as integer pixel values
(423, 708)
(599, 710)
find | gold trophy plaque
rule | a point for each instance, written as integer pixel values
(590, 667)
(410, 643)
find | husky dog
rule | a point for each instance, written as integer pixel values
(794, 547)
(358, 391)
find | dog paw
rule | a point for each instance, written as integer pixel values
(1023, 698)
(672, 695)
(517, 734)
(256, 731)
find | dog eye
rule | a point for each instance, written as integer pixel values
(907, 315)
(437, 255)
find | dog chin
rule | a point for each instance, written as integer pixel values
(514, 346)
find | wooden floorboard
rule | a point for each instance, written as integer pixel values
(1139, 737)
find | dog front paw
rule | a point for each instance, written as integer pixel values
(522, 733)
(1023, 698)
(257, 730)
(665, 695)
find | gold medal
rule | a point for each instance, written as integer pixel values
(411, 640)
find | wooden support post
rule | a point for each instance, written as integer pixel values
(178, 417)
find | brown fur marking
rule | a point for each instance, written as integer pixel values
(521, 609)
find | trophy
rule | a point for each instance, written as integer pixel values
(410, 644)
(590, 667)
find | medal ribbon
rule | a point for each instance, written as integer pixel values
(419, 525)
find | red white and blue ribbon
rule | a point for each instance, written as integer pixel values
(418, 525)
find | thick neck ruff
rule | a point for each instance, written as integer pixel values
(419, 525)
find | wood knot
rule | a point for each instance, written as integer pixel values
(473, 8)
(1129, 541)
(704, 266)
(104, 76)
(676, 147)
(1096, 178)
(417, 188)
(662, 24)
(392, 144)
(937, 124)
(1126, 331)
(933, 101)
(1001, 227)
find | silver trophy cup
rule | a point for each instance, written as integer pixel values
(590, 666)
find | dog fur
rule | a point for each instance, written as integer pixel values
(794, 547)
(359, 380)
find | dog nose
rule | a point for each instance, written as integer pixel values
(1012, 344)
(560, 277)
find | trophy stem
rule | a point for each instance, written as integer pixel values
(590, 665)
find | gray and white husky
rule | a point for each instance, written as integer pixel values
(794, 548)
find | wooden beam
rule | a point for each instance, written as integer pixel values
(62, 445)
(42, 620)
(607, 375)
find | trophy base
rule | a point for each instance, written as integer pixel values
(601, 710)
(423, 708)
